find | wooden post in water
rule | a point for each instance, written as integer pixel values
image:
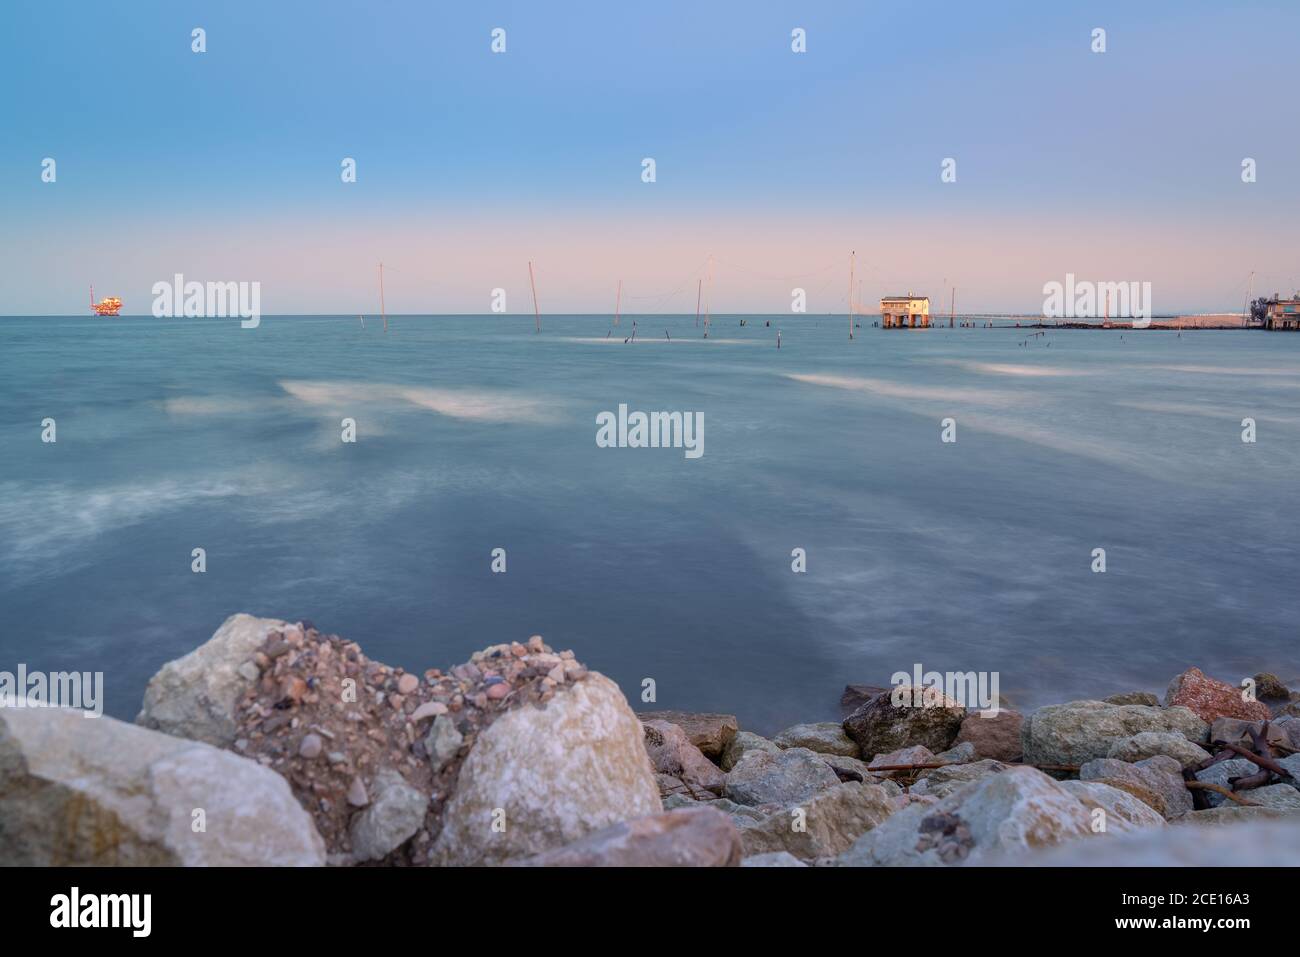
(851, 255)
(952, 306)
(532, 282)
(706, 301)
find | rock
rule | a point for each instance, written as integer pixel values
(1292, 765)
(1275, 795)
(392, 818)
(963, 753)
(1134, 697)
(742, 742)
(1290, 727)
(430, 709)
(1149, 743)
(672, 754)
(1080, 731)
(822, 826)
(850, 769)
(1260, 842)
(788, 777)
(195, 695)
(542, 777)
(708, 732)
(1270, 687)
(310, 746)
(772, 859)
(670, 786)
(690, 837)
(1235, 814)
(101, 792)
(742, 815)
(824, 737)
(996, 736)
(1157, 781)
(1122, 811)
(1220, 773)
(357, 794)
(941, 782)
(1140, 791)
(407, 684)
(673, 801)
(1210, 699)
(879, 726)
(443, 742)
(913, 755)
(1237, 731)
(855, 696)
(1017, 809)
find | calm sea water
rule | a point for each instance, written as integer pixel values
(476, 433)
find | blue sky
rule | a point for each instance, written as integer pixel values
(225, 165)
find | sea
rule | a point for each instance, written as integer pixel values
(827, 534)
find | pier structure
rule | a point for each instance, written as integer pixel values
(1282, 314)
(905, 312)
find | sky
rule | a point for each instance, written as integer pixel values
(770, 165)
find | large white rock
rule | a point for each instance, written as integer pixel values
(1018, 808)
(78, 791)
(195, 695)
(547, 776)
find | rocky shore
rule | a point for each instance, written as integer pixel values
(275, 744)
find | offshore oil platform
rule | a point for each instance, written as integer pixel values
(109, 306)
